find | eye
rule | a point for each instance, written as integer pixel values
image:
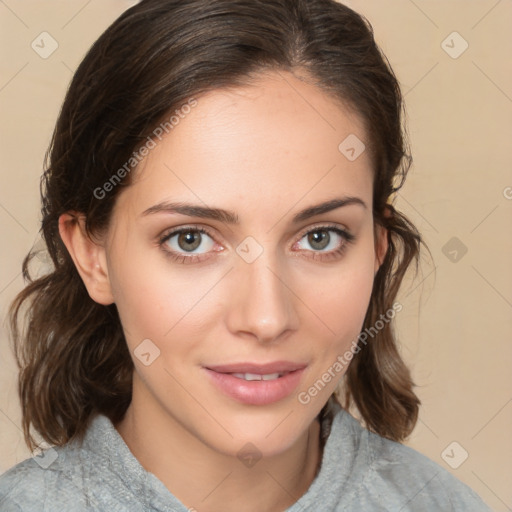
(188, 240)
(325, 239)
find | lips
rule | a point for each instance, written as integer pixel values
(256, 384)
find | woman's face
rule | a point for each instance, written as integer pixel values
(232, 253)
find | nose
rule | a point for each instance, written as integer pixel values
(262, 304)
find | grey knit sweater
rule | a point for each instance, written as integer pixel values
(360, 472)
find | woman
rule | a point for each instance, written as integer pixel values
(217, 207)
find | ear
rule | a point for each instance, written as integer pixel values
(88, 256)
(381, 243)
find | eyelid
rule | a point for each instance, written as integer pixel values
(168, 233)
(343, 231)
(184, 257)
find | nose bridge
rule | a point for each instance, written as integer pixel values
(262, 305)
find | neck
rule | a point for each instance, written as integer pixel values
(209, 481)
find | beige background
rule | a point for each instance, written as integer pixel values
(456, 324)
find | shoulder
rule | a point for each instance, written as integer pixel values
(32, 484)
(78, 476)
(398, 477)
(97, 473)
(361, 470)
(421, 480)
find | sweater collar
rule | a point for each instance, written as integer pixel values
(104, 441)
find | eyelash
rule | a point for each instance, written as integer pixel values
(347, 237)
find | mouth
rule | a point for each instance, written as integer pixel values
(256, 376)
(257, 384)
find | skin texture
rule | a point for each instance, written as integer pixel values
(265, 152)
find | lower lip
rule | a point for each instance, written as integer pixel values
(256, 392)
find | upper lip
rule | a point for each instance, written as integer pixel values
(258, 369)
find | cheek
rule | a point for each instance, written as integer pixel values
(154, 300)
(340, 298)
(341, 306)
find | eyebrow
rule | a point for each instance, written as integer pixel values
(230, 217)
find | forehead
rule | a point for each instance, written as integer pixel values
(277, 138)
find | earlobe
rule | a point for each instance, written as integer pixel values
(88, 256)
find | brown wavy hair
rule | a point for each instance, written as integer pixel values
(71, 351)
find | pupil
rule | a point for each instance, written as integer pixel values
(189, 241)
(319, 239)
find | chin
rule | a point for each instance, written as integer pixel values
(267, 432)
